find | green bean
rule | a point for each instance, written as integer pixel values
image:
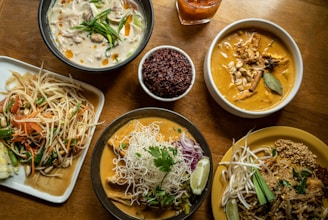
(5, 133)
(13, 158)
(37, 158)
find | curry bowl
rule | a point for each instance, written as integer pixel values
(96, 36)
(253, 68)
(133, 126)
(166, 73)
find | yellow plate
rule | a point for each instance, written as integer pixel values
(266, 137)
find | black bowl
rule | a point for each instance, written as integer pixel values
(119, 122)
(44, 27)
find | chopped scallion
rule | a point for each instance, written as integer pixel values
(100, 24)
(40, 100)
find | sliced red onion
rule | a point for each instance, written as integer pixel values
(191, 150)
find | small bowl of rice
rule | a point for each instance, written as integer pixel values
(166, 73)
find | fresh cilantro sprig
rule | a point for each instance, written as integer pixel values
(159, 197)
(162, 158)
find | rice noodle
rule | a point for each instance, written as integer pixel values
(136, 168)
(284, 176)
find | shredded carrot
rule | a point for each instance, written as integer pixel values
(15, 106)
(32, 114)
(69, 144)
(35, 126)
(87, 108)
(25, 129)
(47, 115)
(51, 149)
(18, 139)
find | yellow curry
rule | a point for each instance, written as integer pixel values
(252, 69)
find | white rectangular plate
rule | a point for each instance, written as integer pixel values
(16, 181)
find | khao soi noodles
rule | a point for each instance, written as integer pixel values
(154, 159)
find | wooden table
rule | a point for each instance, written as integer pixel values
(305, 20)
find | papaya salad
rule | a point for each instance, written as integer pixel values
(283, 181)
(45, 122)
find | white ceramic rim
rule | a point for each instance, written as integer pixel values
(145, 87)
(290, 43)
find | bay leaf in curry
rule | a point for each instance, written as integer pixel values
(244, 54)
(273, 83)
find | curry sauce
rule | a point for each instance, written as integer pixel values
(240, 56)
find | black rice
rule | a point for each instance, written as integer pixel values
(167, 73)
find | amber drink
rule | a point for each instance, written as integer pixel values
(196, 11)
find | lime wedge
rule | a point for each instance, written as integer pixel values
(199, 176)
(232, 210)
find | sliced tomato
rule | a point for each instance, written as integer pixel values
(27, 127)
(15, 106)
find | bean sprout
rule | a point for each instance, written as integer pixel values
(239, 172)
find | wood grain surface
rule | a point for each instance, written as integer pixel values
(305, 20)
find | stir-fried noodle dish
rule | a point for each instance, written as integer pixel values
(45, 122)
(290, 183)
(152, 164)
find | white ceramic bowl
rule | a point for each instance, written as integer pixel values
(275, 30)
(148, 90)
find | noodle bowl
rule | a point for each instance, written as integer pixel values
(96, 36)
(145, 158)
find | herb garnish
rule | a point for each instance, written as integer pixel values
(123, 146)
(301, 177)
(100, 24)
(159, 197)
(164, 161)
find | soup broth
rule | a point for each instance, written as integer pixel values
(75, 27)
(170, 130)
(237, 59)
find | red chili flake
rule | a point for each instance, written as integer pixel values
(167, 73)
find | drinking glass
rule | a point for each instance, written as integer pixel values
(192, 12)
